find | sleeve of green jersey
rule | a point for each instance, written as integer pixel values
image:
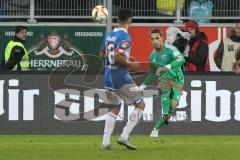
(150, 77)
(178, 59)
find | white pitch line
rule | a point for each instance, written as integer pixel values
(31, 143)
(161, 142)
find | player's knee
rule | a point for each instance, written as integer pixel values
(165, 98)
(165, 92)
(165, 95)
(116, 109)
(173, 104)
(141, 106)
(164, 86)
(139, 103)
(166, 118)
(118, 106)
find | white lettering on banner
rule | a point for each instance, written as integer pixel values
(13, 101)
(237, 106)
(11, 34)
(75, 107)
(181, 115)
(211, 95)
(13, 105)
(196, 99)
(88, 34)
(1, 98)
(148, 111)
(195, 104)
(28, 104)
(60, 100)
(70, 99)
(55, 63)
(64, 103)
(89, 103)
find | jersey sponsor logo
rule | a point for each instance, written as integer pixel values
(120, 51)
(164, 57)
(124, 44)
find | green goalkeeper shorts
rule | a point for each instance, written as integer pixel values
(175, 93)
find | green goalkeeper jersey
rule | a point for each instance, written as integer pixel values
(169, 55)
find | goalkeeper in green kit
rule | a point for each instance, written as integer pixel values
(165, 61)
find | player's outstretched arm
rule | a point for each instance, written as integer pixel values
(150, 77)
(102, 54)
(121, 60)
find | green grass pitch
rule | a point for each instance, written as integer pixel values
(87, 148)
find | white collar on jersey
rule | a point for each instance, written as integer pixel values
(118, 29)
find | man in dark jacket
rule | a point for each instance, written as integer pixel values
(15, 56)
(197, 57)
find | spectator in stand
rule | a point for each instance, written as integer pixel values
(236, 65)
(201, 8)
(197, 56)
(227, 49)
(169, 8)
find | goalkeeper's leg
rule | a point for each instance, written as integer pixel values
(165, 103)
(173, 99)
(168, 111)
(166, 89)
(163, 120)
